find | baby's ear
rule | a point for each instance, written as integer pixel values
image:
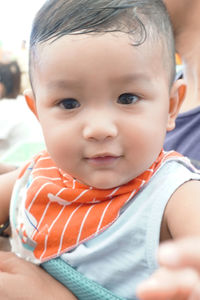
(177, 95)
(30, 100)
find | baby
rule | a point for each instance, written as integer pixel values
(104, 194)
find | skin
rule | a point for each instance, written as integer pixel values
(2, 90)
(4, 168)
(178, 277)
(7, 181)
(22, 280)
(107, 154)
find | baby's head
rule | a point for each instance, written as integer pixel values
(102, 75)
(142, 20)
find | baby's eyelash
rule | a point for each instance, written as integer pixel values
(127, 98)
(69, 103)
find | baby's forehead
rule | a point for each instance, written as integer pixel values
(88, 45)
(39, 51)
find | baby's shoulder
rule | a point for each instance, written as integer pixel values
(181, 216)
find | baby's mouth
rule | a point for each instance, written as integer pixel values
(103, 159)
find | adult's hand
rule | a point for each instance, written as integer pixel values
(22, 280)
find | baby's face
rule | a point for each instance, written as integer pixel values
(103, 106)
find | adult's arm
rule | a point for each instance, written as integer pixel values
(20, 279)
(7, 182)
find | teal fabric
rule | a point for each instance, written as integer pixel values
(82, 287)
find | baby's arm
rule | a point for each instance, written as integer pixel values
(7, 181)
(4, 168)
(178, 277)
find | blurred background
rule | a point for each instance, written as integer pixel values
(15, 24)
(20, 132)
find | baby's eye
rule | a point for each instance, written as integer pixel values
(69, 103)
(127, 98)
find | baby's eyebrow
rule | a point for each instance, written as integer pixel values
(133, 77)
(70, 83)
(64, 83)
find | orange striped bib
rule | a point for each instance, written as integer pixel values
(58, 213)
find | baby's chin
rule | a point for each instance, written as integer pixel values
(104, 183)
(98, 186)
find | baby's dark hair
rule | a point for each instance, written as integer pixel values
(10, 78)
(141, 19)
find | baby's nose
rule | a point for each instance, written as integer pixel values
(100, 129)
